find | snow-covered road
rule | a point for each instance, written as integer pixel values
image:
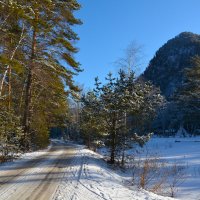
(35, 178)
(65, 172)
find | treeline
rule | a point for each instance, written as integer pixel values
(36, 70)
(119, 113)
(182, 110)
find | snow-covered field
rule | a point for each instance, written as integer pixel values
(179, 151)
(184, 152)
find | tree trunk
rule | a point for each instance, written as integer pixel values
(28, 88)
(21, 97)
(113, 146)
(27, 110)
(124, 140)
(123, 158)
(9, 88)
(8, 68)
(89, 142)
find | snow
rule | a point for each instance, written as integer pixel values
(185, 152)
(69, 172)
(182, 132)
(182, 151)
(20, 178)
(88, 177)
(23, 158)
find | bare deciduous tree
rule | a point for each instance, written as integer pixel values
(132, 59)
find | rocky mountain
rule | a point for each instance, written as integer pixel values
(165, 70)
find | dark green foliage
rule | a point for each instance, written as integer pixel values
(109, 112)
(37, 67)
(187, 98)
(91, 120)
(10, 134)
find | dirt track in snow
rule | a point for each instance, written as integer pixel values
(38, 178)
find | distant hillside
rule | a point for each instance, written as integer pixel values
(165, 70)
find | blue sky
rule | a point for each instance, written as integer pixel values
(110, 25)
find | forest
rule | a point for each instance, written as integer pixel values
(36, 73)
(38, 94)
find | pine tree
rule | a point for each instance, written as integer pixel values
(187, 97)
(10, 134)
(37, 62)
(91, 120)
(111, 106)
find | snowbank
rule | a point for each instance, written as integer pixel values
(89, 178)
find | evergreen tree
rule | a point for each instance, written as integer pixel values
(91, 120)
(10, 134)
(112, 106)
(37, 63)
(188, 97)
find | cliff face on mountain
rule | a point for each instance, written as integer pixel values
(166, 69)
